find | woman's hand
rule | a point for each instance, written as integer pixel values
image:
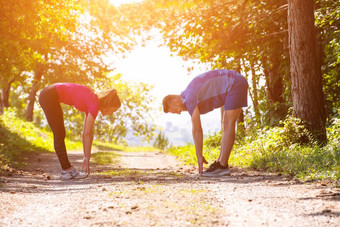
(200, 161)
(87, 141)
(86, 165)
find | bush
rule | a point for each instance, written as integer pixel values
(161, 142)
(214, 140)
(284, 150)
(288, 149)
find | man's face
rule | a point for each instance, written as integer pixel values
(175, 108)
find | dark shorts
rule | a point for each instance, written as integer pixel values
(237, 96)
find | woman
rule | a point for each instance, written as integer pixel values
(85, 100)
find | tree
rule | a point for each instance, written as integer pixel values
(134, 115)
(328, 27)
(16, 33)
(44, 42)
(242, 35)
(308, 98)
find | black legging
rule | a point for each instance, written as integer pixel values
(49, 102)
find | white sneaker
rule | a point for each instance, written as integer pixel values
(72, 174)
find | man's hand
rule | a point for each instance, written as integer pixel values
(86, 165)
(200, 161)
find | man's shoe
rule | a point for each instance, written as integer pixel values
(216, 170)
(72, 174)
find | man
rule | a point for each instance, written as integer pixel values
(204, 93)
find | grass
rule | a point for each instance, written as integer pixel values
(106, 152)
(277, 149)
(104, 158)
(36, 137)
(18, 136)
(138, 173)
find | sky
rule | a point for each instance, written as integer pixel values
(154, 65)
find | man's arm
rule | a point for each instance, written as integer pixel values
(197, 134)
(87, 141)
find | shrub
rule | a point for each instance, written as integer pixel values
(288, 149)
(161, 142)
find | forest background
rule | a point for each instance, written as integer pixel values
(289, 52)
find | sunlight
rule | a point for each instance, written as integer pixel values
(154, 64)
(119, 2)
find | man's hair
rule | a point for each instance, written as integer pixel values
(109, 98)
(167, 102)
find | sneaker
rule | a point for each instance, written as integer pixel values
(216, 170)
(72, 174)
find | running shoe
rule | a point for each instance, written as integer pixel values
(216, 170)
(72, 174)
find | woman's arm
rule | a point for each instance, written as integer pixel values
(87, 141)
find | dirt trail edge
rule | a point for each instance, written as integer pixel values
(152, 189)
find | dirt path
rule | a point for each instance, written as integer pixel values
(151, 189)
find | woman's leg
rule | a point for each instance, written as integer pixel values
(49, 102)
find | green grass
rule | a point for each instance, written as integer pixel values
(18, 136)
(106, 152)
(138, 173)
(28, 131)
(104, 158)
(278, 149)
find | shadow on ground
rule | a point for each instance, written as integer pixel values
(42, 175)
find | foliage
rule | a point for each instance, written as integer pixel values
(213, 140)
(185, 153)
(107, 153)
(34, 35)
(28, 131)
(18, 136)
(280, 149)
(283, 149)
(328, 24)
(251, 36)
(121, 147)
(133, 117)
(45, 42)
(161, 142)
(103, 158)
(227, 34)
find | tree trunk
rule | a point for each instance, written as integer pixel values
(274, 81)
(308, 98)
(254, 93)
(5, 96)
(1, 105)
(35, 87)
(275, 87)
(5, 93)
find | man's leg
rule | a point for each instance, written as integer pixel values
(228, 136)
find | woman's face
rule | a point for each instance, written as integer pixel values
(109, 110)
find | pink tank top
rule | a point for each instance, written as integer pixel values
(79, 96)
